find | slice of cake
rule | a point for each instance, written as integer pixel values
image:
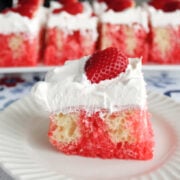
(97, 107)
(165, 31)
(123, 26)
(71, 32)
(21, 33)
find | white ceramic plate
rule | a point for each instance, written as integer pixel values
(41, 68)
(25, 152)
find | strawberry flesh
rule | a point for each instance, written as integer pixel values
(68, 1)
(157, 4)
(120, 5)
(105, 64)
(71, 8)
(171, 6)
(26, 10)
(166, 5)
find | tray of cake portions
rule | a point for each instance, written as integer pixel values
(34, 38)
(92, 119)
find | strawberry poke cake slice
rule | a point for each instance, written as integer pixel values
(165, 31)
(98, 107)
(21, 32)
(71, 32)
(124, 26)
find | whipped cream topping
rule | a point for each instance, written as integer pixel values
(55, 5)
(68, 87)
(159, 18)
(12, 22)
(99, 7)
(69, 23)
(129, 16)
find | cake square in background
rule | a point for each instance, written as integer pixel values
(21, 34)
(71, 32)
(164, 32)
(124, 26)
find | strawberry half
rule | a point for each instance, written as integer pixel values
(166, 5)
(33, 2)
(71, 8)
(120, 5)
(25, 10)
(171, 6)
(105, 64)
(158, 4)
(68, 1)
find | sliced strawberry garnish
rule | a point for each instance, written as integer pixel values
(72, 8)
(120, 5)
(105, 64)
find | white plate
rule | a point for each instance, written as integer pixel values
(41, 68)
(25, 152)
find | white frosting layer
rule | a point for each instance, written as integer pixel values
(67, 86)
(99, 8)
(55, 5)
(69, 23)
(12, 22)
(160, 18)
(128, 16)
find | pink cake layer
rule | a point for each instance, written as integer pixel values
(20, 49)
(133, 40)
(61, 46)
(165, 45)
(126, 134)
